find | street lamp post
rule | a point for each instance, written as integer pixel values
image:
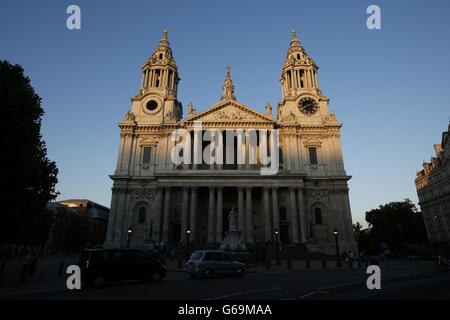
(130, 231)
(188, 238)
(336, 233)
(277, 234)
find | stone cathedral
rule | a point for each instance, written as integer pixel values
(158, 200)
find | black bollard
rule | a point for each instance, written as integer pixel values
(338, 263)
(268, 265)
(308, 264)
(324, 264)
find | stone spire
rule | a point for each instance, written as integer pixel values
(299, 72)
(228, 87)
(294, 41)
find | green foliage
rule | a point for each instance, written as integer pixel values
(395, 223)
(28, 177)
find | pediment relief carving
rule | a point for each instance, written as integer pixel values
(318, 194)
(230, 112)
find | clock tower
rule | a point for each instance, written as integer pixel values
(156, 101)
(302, 99)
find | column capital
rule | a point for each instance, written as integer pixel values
(292, 188)
(274, 187)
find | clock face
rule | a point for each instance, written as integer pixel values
(308, 106)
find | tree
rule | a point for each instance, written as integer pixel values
(27, 176)
(396, 223)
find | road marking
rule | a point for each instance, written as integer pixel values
(307, 295)
(245, 292)
(336, 286)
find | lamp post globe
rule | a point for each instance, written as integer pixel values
(129, 231)
(277, 235)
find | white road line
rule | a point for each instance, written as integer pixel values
(336, 286)
(307, 295)
(245, 292)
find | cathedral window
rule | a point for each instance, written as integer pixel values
(282, 213)
(318, 215)
(312, 155)
(141, 217)
(146, 155)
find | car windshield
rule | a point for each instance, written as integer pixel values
(196, 256)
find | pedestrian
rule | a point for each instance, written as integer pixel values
(351, 258)
(25, 267)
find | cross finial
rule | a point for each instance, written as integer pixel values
(165, 31)
(294, 34)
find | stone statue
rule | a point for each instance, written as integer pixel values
(232, 220)
(268, 109)
(191, 109)
(129, 116)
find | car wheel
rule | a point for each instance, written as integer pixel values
(99, 281)
(207, 273)
(156, 277)
(240, 272)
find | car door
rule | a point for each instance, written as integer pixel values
(219, 262)
(228, 263)
(209, 262)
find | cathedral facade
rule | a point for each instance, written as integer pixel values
(155, 198)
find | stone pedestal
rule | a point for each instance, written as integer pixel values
(233, 241)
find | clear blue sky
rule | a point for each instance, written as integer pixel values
(390, 88)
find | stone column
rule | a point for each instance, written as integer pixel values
(301, 210)
(118, 229)
(240, 151)
(249, 214)
(112, 220)
(266, 202)
(157, 220)
(241, 212)
(166, 217)
(219, 215)
(293, 214)
(193, 214)
(211, 215)
(275, 209)
(184, 214)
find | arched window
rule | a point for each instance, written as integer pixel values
(318, 215)
(283, 214)
(141, 217)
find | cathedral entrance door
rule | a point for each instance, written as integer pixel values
(284, 233)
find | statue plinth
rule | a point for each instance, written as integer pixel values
(233, 241)
(233, 235)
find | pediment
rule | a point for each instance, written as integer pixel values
(149, 140)
(312, 142)
(230, 111)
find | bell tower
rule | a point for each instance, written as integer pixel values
(302, 98)
(156, 101)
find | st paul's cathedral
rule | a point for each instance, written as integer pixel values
(159, 200)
